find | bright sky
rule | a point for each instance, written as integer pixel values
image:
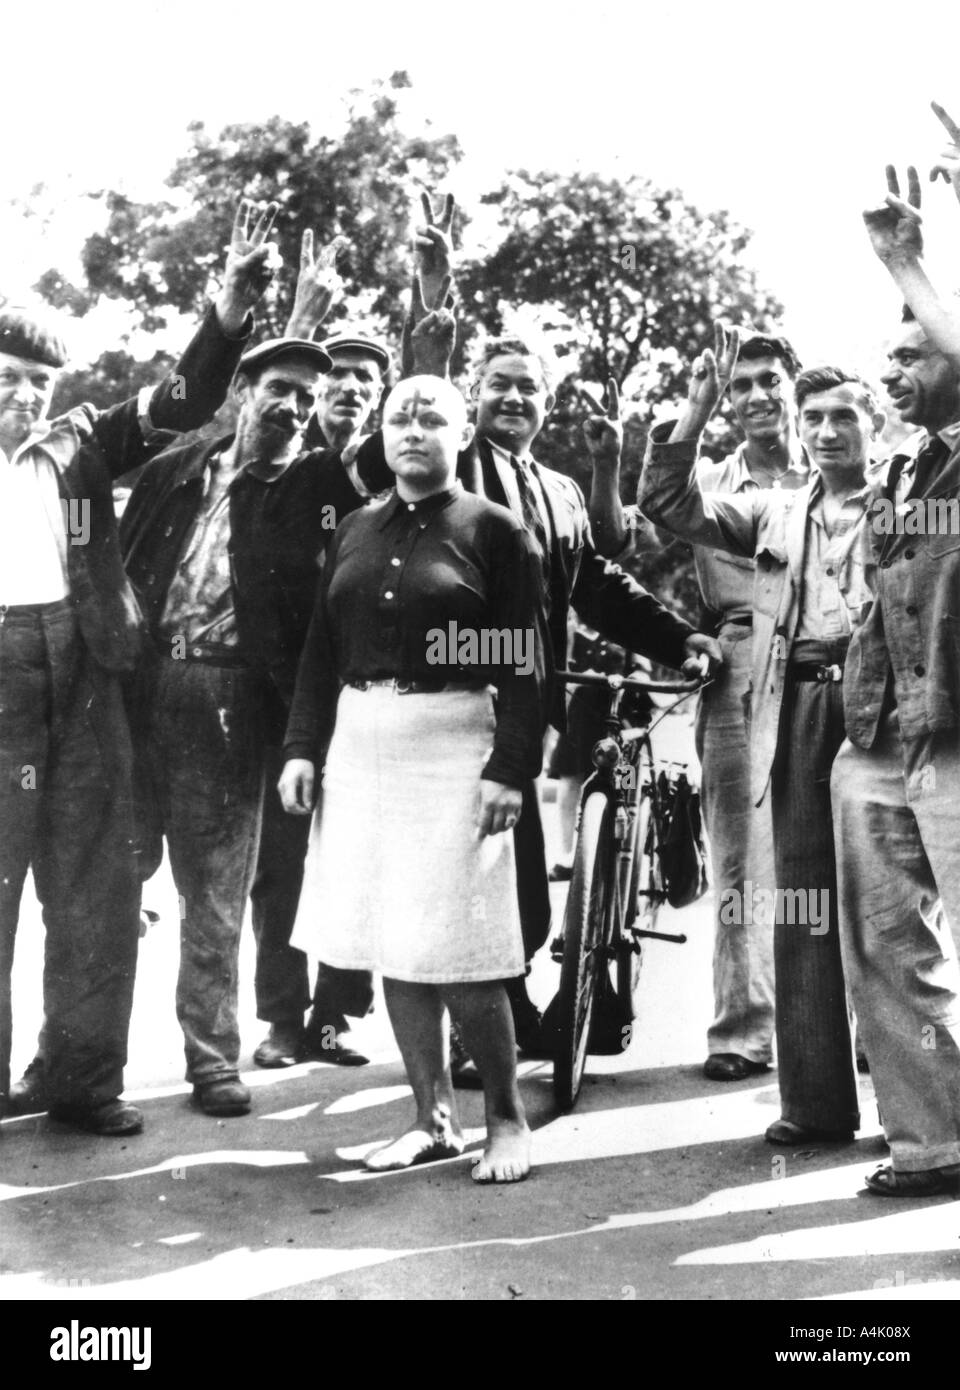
(783, 114)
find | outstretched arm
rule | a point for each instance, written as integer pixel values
(603, 434)
(895, 231)
(947, 166)
(318, 285)
(132, 432)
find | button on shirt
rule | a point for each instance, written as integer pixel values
(200, 600)
(33, 538)
(199, 605)
(399, 574)
(726, 581)
(835, 588)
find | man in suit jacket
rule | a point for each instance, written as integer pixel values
(69, 629)
(513, 394)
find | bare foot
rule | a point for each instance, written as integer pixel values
(506, 1155)
(416, 1146)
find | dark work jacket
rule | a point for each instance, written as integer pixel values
(912, 629)
(279, 531)
(600, 592)
(92, 447)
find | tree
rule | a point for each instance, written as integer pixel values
(167, 254)
(625, 279)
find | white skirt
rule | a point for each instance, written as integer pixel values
(396, 879)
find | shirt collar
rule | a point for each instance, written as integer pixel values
(950, 435)
(743, 477)
(507, 456)
(862, 494)
(37, 436)
(422, 510)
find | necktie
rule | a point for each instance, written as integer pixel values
(929, 460)
(530, 513)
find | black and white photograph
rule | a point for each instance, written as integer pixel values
(480, 666)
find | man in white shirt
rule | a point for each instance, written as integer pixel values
(69, 627)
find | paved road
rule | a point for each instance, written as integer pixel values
(659, 1186)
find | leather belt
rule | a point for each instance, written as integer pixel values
(418, 687)
(207, 654)
(823, 675)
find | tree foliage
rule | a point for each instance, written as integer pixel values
(167, 254)
(623, 278)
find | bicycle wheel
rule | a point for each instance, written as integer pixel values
(642, 906)
(587, 927)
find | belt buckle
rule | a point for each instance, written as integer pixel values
(829, 675)
(359, 685)
(403, 687)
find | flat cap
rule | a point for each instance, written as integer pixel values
(357, 342)
(263, 353)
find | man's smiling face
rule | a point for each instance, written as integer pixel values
(761, 394)
(512, 401)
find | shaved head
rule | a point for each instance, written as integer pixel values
(429, 390)
(424, 428)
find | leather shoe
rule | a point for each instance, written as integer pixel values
(928, 1182)
(28, 1096)
(560, 873)
(113, 1118)
(730, 1066)
(222, 1095)
(282, 1047)
(786, 1132)
(324, 1045)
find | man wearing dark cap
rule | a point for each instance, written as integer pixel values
(220, 542)
(69, 628)
(349, 391)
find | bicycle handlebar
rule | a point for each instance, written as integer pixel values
(617, 682)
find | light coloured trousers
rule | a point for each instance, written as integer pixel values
(741, 848)
(898, 870)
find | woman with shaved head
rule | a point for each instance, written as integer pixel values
(430, 600)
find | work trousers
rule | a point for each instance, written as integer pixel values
(65, 810)
(815, 1057)
(898, 853)
(200, 743)
(741, 850)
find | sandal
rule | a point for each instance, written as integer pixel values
(927, 1182)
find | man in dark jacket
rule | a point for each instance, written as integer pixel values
(69, 629)
(348, 392)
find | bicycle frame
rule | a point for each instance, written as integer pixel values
(625, 770)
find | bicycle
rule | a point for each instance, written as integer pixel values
(617, 887)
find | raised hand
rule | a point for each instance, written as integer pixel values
(318, 284)
(251, 264)
(430, 332)
(947, 166)
(709, 378)
(894, 228)
(432, 246)
(603, 429)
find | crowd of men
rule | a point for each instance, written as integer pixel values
(147, 672)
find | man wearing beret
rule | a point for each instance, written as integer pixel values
(69, 629)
